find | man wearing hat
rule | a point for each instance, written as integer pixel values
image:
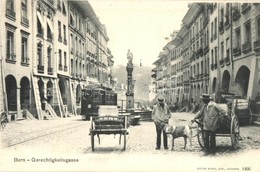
(209, 114)
(160, 115)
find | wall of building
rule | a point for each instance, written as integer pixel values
(16, 31)
(228, 64)
(42, 62)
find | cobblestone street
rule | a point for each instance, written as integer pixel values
(143, 140)
(69, 138)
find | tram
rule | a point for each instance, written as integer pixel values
(93, 97)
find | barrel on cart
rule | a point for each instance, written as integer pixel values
(228, 127)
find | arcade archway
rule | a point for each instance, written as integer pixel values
(214, 84)
(25, 93)
(225, 81)
(63, 91)
(78, 95)
(242, 80)
(41, 90)
(191, 94)
(11, 91)
(50, 92)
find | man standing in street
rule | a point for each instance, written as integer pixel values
(209, 114)
(160, 115)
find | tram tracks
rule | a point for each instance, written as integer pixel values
(24, 138)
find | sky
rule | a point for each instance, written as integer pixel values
(139, 25)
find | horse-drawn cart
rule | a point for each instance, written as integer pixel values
(108, 125)
(228, 127)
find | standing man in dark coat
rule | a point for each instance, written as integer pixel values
(209, 113)
(161, 115)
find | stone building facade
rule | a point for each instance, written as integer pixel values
(50, 51)
(219, 53)
(245, 45)
(16, 56)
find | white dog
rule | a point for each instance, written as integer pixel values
(179, 131)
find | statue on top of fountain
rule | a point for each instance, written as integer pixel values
(130, 59)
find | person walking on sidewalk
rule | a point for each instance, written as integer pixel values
(161, 115)
(209, 113)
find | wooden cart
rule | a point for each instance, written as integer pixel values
(228, 127)
(108, 125)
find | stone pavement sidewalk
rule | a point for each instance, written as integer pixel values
(20, 131)
(140, 154)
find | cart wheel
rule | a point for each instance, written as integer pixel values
(200, 137)
(92, 142)
(124, 141)
(234, 132)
